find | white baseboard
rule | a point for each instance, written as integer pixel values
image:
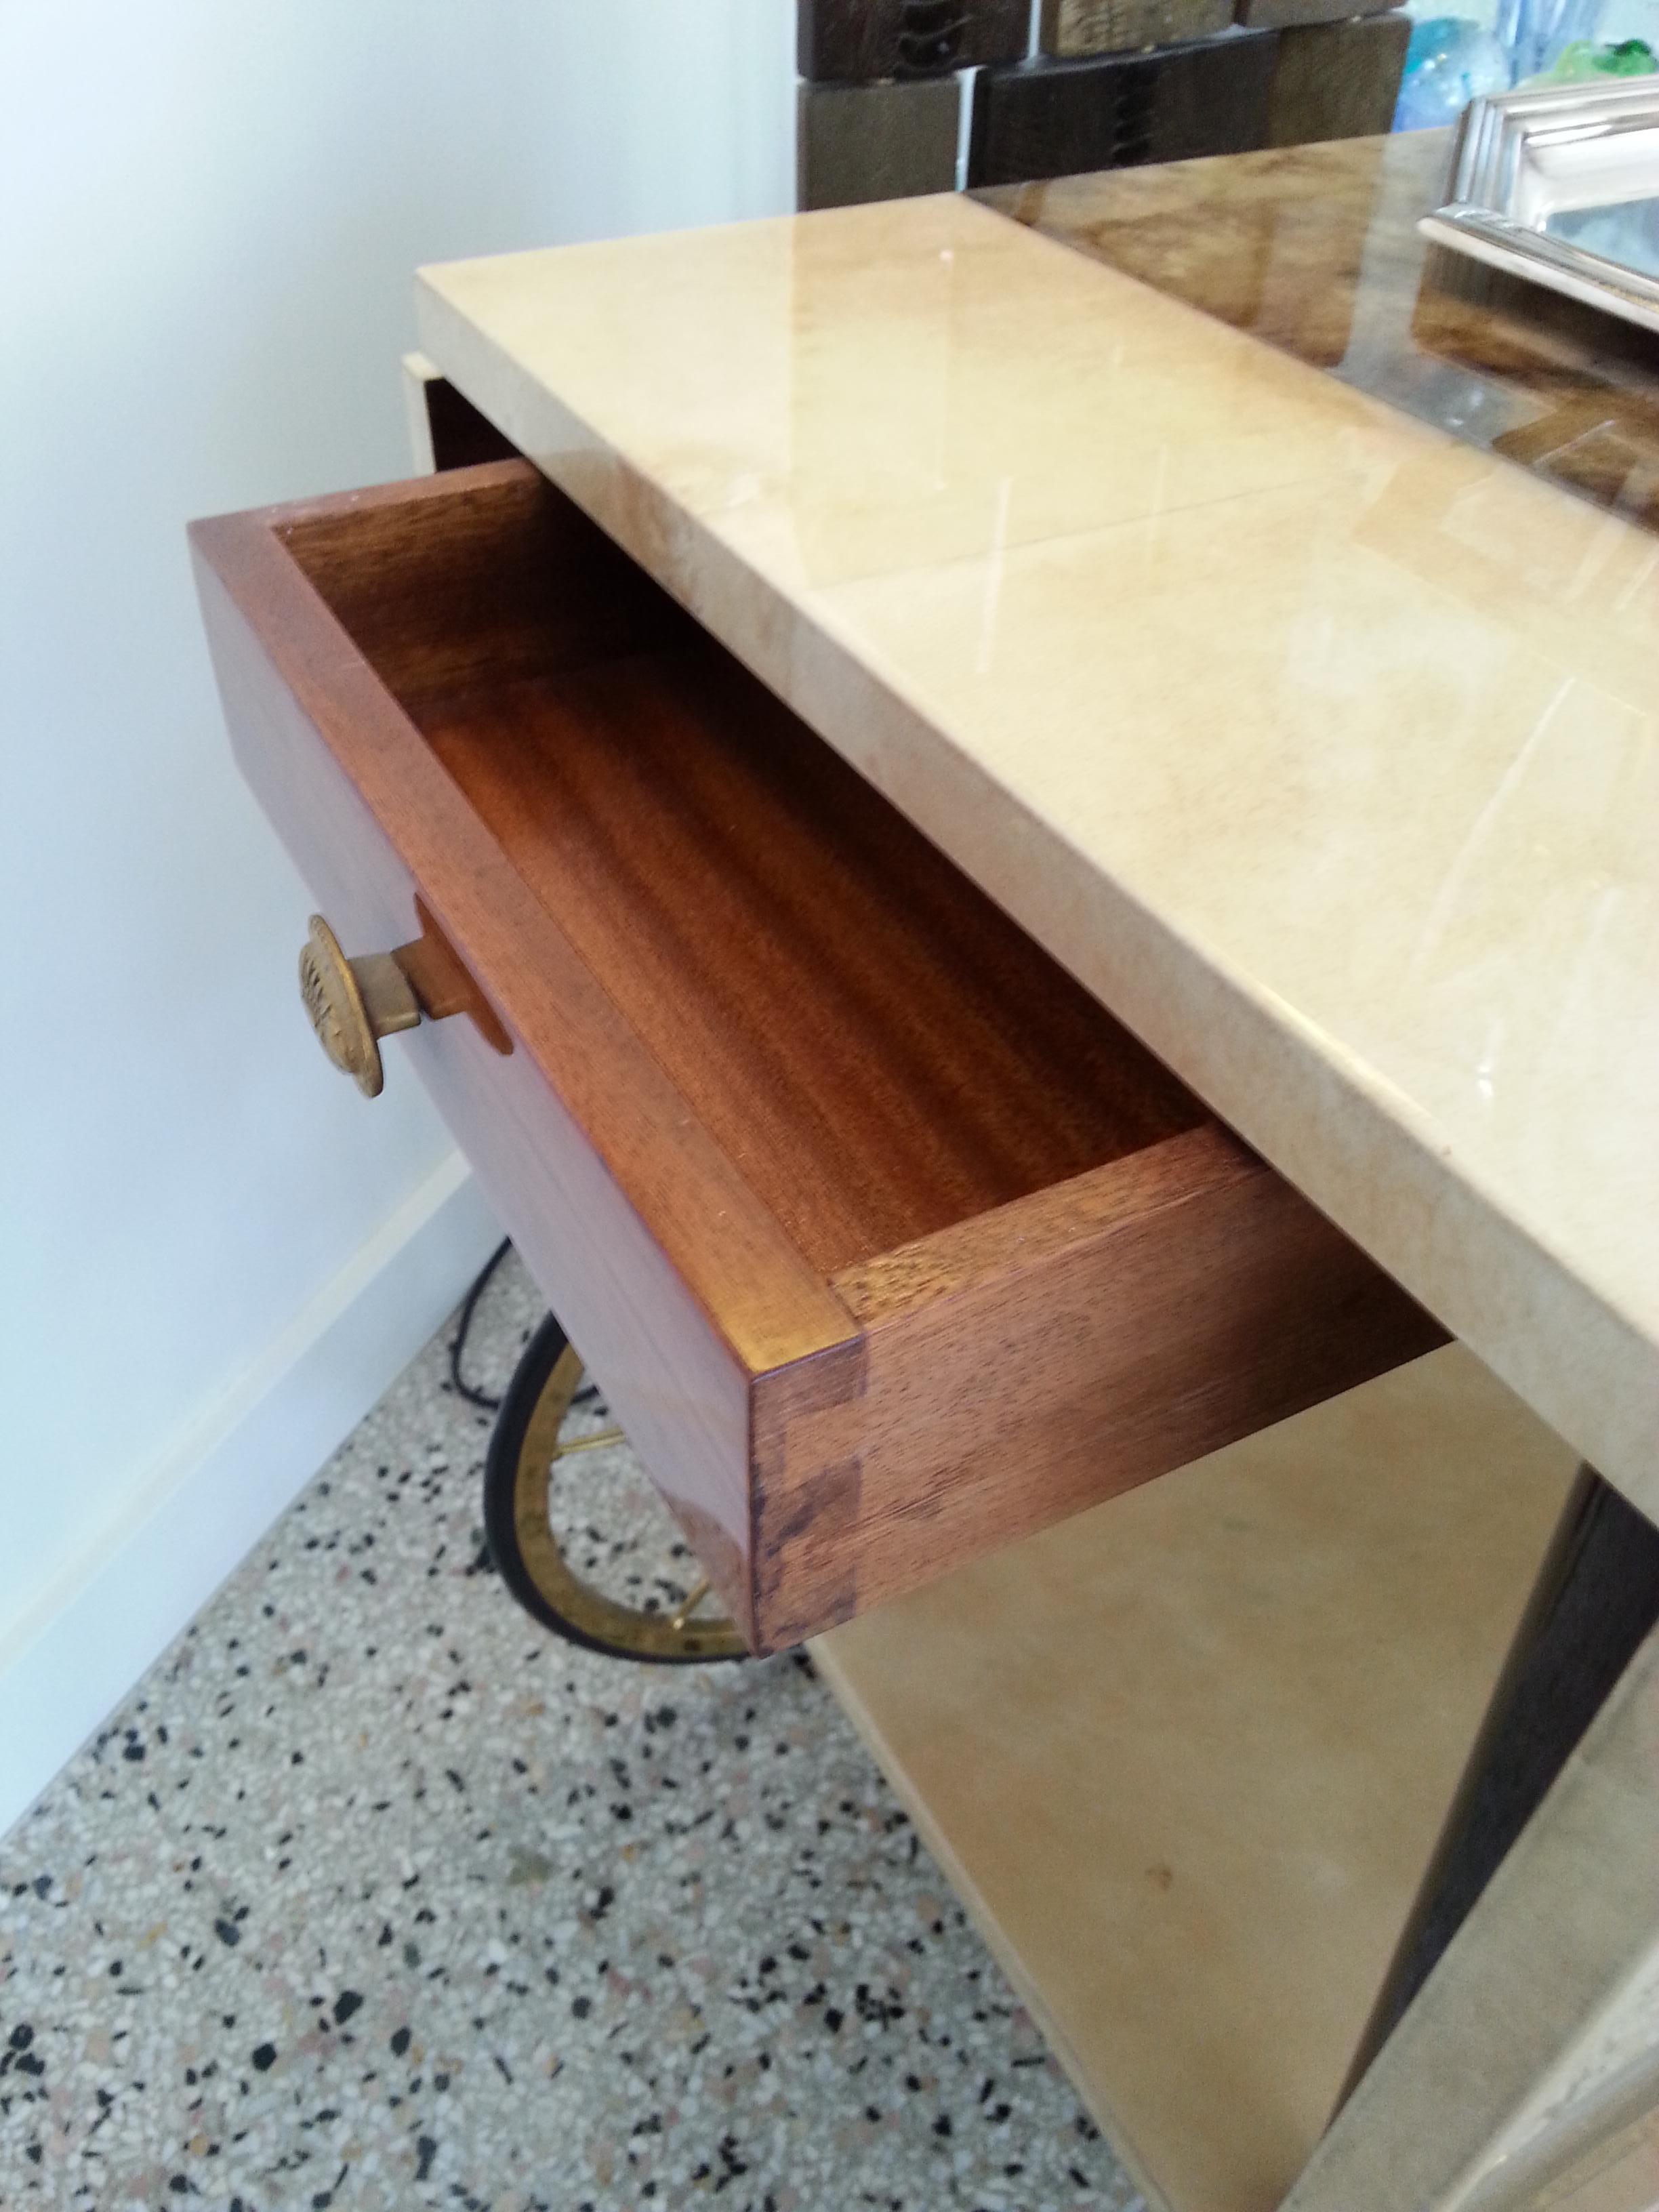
(203, 1504)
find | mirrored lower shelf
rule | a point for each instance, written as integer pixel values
(1184, 1758)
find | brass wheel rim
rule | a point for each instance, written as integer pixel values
(682, 1634)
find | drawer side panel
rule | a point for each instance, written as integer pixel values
(1026, 1366)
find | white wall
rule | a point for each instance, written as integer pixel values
(209, 215)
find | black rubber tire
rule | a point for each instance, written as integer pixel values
(523, 1395)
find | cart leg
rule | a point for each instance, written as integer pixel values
(1518, 1980)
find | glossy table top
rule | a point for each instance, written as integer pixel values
(1316, 249)
(1318, 741)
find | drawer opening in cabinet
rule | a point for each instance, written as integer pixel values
(874, 1043)
(887, 1242)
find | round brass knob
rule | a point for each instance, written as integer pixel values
(353, 1004)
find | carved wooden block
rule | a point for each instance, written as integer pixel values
(1337, 80)
(875, 141)
(1054, 119)
(857, 41)
(1111, 26)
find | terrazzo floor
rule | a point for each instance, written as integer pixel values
(374, 1895)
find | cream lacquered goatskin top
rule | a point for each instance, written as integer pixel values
(1320, 745)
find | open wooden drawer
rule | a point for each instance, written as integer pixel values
(886, 1242)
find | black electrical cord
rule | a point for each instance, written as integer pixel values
(462, 1388)
(588, 1394)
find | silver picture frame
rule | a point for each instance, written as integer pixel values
(1524, 159)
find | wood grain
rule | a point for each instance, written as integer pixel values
(855, 142)
(474, 579)
(443, 984)
(885, 1240)
(1337, 80)
(1112, 26)
(1023, 1366)
(675, 1316)
(856, 41)
(876, 1047)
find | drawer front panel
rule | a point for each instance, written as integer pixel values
(680, 1392)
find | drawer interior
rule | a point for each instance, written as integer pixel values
(878, 1049)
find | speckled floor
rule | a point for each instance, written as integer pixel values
(374, 1896)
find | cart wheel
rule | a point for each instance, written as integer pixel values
(523, 1451)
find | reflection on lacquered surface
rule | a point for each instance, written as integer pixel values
(1314, 249)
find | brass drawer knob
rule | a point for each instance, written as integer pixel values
(353, 1004)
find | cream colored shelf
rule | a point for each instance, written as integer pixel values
(1184, 1758)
